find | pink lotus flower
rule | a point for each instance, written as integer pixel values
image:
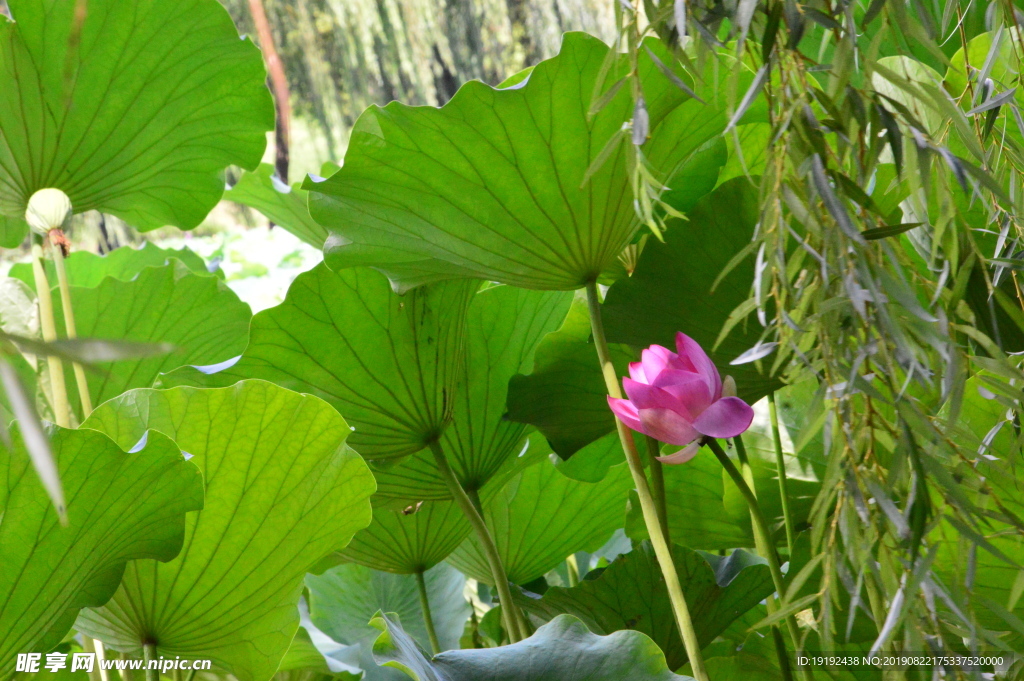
(680, 398)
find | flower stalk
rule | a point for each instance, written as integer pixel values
(70, 328)
(513, 625)
(780, 465)
(647, 504)
(54, 365)
(762, 536)
(658, 484)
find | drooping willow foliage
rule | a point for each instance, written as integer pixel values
(887, 152)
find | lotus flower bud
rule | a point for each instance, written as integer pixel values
(47, 209)
(679, 398)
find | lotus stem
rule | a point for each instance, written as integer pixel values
(780, 465)
(658, 484)
(54, 365)
(763, 544)
(149, 655)
(428, 619)
(647, 504)
(476, 520)
(89, 646)
(762, 536)
(573, 568)
(70, 328)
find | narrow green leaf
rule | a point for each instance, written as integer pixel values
(888, 230)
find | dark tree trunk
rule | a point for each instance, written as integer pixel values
(278, 85)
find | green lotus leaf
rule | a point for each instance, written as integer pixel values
(565, 396)
(388, 363)
(198, 315)
(562, 650)
(410, 536)
(541, 516)
(995, 581)
(283, 205)
(87, 269)
(1005, 63)
(134, 110)
(12, 231)
(593, 462)
(494, 185)
(916, 76)
(120, 507)
(673, 287)
(410, 540)
(344, 599)
(631, 594)
(754, 140)
(304, 662)
(283, 491)
(504, 327)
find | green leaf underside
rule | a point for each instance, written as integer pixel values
(541, 516)
(286, 209)
(631, 594)
(504, 327)
(304, 662)
(13, 231)
(592, 463)
(344, 599)
(565, 396)
(135, 112)
(671, 289)
(492, 184)
(120, 507)
(406, 535)
(562, 650)
(389, 364)
(277, 503)
(88, 270)
(197, 314)
(410, 540)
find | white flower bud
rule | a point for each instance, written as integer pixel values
(47, 209)
(729, 387)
